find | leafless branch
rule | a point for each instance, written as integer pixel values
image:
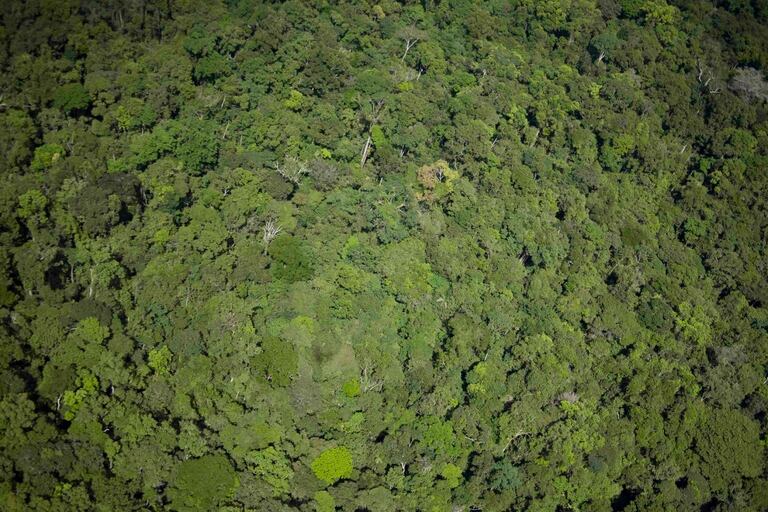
(292, 170)
(270, 232)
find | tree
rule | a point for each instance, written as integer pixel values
(410, 36)
(749, 82)
(269, 233)
(71, 98)
(324, 502)
(405, 256)
(203, 484)
(452, 474)
(292, 170)
(277, 363)
(196, 143)
(160, 359)
(292, 260)
(46, 155)
(726, 444)
(32, 204)
(272, 467)
(16, 140)
(333, 464)
(603, 44)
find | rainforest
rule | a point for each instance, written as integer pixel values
(381, 256)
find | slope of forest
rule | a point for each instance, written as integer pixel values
(420, 256)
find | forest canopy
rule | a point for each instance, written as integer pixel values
(385, 256)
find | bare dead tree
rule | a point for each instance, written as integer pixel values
(270, 232)
(518, 434)
(376, 110)
(409, 43)
(364, 154)
(705, 80)
(93, 281)
(568, 396)
(749, 84)
(411, 36)
(368, 382)
(536, 137)
(292, 170)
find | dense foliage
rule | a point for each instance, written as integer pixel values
(438, 255)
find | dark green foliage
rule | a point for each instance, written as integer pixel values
(505, 476)
(292, 260)
(728, 445)
(16, 138)
(384, 256)
(203, 484)
(71, 98)
(211, 67)
(276, 363)
(112, 199)
(196, 144)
